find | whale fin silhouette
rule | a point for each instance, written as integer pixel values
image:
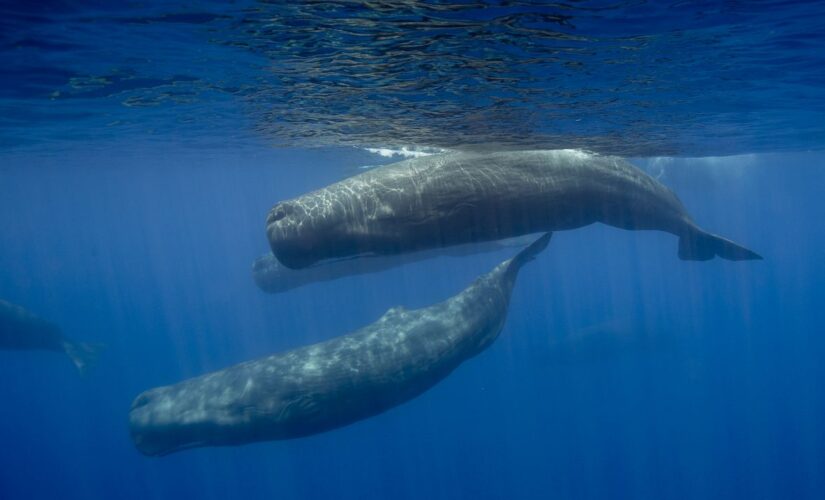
(529, 253)
(83, 354)
(700, 245)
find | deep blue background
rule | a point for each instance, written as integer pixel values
(622, 371)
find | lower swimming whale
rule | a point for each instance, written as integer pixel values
(446, 200)
(330, 384)
(22, 330)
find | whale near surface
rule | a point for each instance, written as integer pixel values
(327, 385)
(452, 199)
(22, 330)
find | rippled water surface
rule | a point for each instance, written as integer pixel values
(633, 78)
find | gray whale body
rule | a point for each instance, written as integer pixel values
(22, 330)
(446, 200)
(333, 383)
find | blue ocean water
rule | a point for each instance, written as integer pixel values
(141, 146)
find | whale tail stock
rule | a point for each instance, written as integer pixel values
(528, 253)
(83, 354)
(701, 245)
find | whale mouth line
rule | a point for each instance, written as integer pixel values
(145, 446)
(175, 449)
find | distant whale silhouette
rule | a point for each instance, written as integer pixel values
(22, 330)
(445, 200)
(273, 277)
(330, 384)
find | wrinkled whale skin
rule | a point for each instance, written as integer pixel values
(327, 385)
(446, 200)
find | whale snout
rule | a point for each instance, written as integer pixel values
(192, 414)
(144, 426)
(152, 424)
(159, 426)
(302, 233)
(292, 235)
(280, 213)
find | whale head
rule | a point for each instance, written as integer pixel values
(158, 425)
(293, 234)
(304, 231)
(165, 420)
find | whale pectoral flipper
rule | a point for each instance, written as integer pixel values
(83, 354)
(700, 245)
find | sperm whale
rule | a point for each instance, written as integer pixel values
(445, 200)
(327, 385)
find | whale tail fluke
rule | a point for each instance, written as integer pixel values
(700, 245)
(83, 354)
